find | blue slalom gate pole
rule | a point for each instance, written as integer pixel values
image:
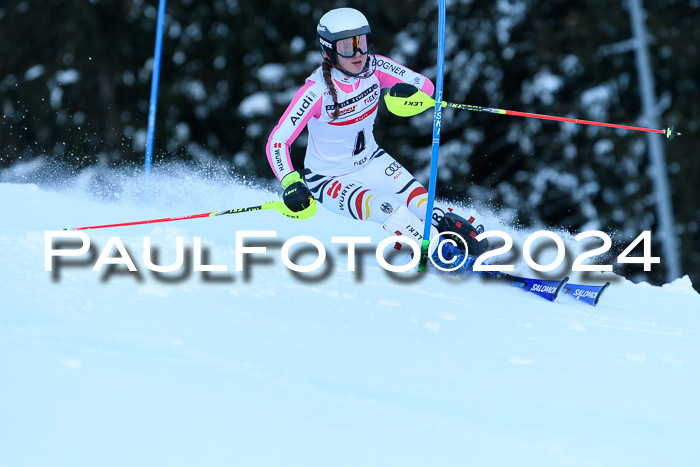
(437, 120)
(154, 90)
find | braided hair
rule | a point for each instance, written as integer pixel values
(331, 86)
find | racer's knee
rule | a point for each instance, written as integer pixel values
(370, 205)
(404, 222)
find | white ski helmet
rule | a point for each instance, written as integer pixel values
(344, 31)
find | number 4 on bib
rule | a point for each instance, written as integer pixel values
(359, 143)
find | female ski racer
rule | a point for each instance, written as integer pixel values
(345, 170)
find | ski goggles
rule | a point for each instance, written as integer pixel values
(347, 47)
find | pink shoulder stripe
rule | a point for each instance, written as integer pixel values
(387, 80)
(314, 112)
(296, 99)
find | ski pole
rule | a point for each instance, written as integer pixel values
(420, 101)
(437, 123)
(278, 206)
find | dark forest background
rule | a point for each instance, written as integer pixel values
(75, 84)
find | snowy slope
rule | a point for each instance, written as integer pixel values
(345, 368)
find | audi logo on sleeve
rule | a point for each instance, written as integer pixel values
(392, 169)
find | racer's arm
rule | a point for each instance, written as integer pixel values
(390, 73)
(306, 104)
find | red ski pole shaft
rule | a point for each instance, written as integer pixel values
(582, 122)
(165, 219)
(278, 206)
(668, 132)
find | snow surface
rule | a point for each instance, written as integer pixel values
(345, 368)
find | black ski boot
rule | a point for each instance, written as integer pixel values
(451, 222)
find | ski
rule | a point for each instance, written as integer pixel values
(547, 289)
(544, 288)
(589, 294)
